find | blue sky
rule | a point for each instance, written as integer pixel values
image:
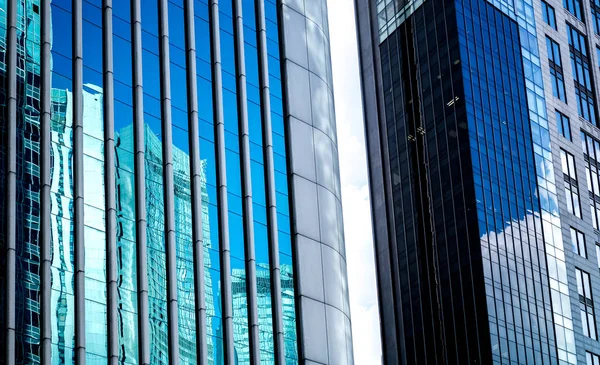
(355, 191)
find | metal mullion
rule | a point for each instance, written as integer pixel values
(11, 184)
(140, 187)
(219, 124)
(196, 185)
(169, 185)
(248, 215)
(78, 202)
(109, 184)
(265, 98)
(45, 181)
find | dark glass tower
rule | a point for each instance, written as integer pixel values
(484, 254)
(161, 166)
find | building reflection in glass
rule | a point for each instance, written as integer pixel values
(62, 193)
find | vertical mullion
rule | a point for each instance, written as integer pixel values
(11, 184)
(277, 306)
(168, 186)
(248, 216)
(109, 184)
(140, 179)
(196, 184)
(78, 184)
(45, 143)
(219, 124)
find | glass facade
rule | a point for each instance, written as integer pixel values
(459, 123)
(152, 181)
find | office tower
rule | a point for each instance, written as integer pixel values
(170, 184)
(482, 130)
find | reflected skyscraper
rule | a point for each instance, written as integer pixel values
(486, 253)
(169, 174)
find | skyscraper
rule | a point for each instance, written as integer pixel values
(482, 126)
(170, 184)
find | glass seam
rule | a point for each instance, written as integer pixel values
(140, 178)
(277, 307)
(46, 259)
(109, 184)
(78, 198)
(168, 185)
(11, 185)
(248, 218)
(196, 189)
(219, 126)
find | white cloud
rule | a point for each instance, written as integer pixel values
(355, 190)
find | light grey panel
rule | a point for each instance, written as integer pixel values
(310, 271)
(328, 220)
(306, 211)
(303, 151)
(348, 329)
(332, 277)
(340, 230)
(315, 11)
(316, 51)
(315, 338)
(299, 93)
(294, 32)
(324, 160)
(315, 186)
(336, 336)
(297, 5)
(319, 100)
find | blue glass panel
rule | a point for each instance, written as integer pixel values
(157, 284)
(93, 150)
(63, 334)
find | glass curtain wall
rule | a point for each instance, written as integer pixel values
(62, 219)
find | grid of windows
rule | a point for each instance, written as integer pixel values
(548, 14)
(556, 70)
(564, 125)
(571, 188)
(580, 64)
(575, 7)
(595, 7)
(591, 359)
(584, 289)
(591, 155)
(578, 242)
